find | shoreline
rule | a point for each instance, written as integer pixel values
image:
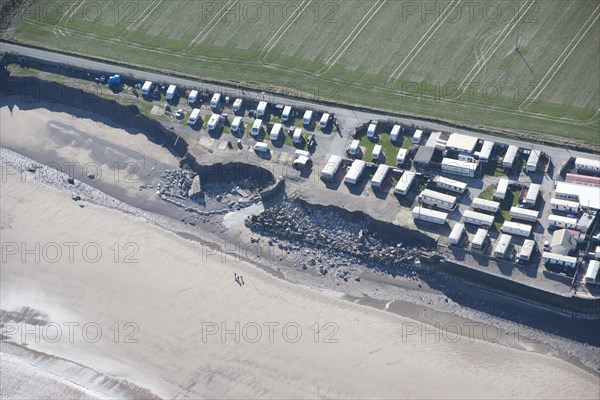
(432, 311)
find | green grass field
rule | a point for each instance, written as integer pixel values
(522, 65)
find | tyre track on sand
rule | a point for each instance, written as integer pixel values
(262, 55)
(332, 63)
(492, 49)
(527, 100)
(426, 36)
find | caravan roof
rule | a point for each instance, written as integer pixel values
(194, 116)
(237, 104)
(286, 113)
(193, 97)
(275, 131)
(262, 107)
(417, 136)
(235, 125)
(395, 133)
(324, 120)
(146, 87)
(171, 92)
(307, 117)
(213, 121)
(380, 175)
(256, 127)
(297, 136)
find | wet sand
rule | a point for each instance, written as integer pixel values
(163, 318)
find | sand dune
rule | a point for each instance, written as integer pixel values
(176, 292)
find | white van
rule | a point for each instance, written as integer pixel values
(307, 119)
(262, 107)
(194, 116)
(297, 136)
(285, 115)
(193, 97)
(395, 134)
(171, 92)
(216, 100)
(213, 122)
(146, 88)
(275, 132)
(236, 124)
(261, 147)
(377, 152)
(256, 127)
(324, 121)
(237, 105)
(371, 130)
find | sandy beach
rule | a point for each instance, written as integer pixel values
(116, 293)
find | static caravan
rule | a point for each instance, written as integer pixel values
(285, 115)
(457, 234)
(301, 162)
(354, 148)
(194, 116)
(261, 109)
(501, 189)
(297, 136)
(416, 139)
(302, 153)
(307, 119)
(564, 205)
(562, 222)
(171, 92)
(515, 228)
(395, 133)
(216, 100)
(587, 164)
(441, 200)
(261, 147)
(331, 168)
(425, 214)
(146, 88)
(405, 182)
(377, 153)
(533, 160)
(237, 105)
(458, 167)
(236, 124)
(355, 172)
(486, 150)
(583, 179)
(371, 130)
(532, 194)
(524, 214)
(526, 250)
(559, 259)
(213, 122)
(401, 157)
(193, 97)
(380, 176)
(256, 127)
(509, 158)
(477, 218)
(480, 239)
(591, 273)
(485, 205)
(503, 246)
(450, 184)
(324, 121)
(276, 132)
